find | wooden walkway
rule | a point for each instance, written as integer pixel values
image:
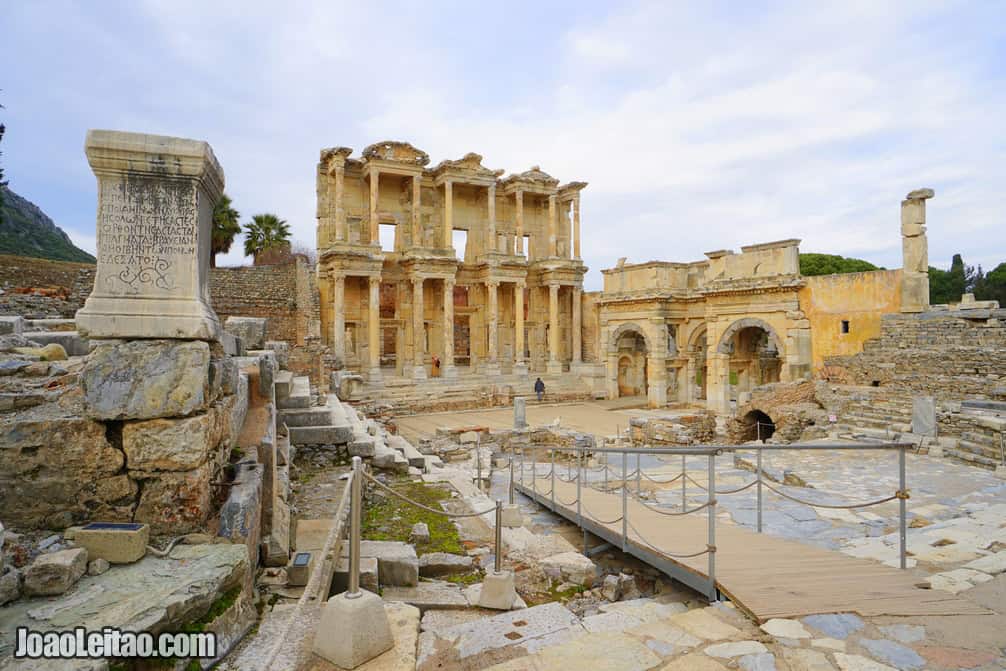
(765, 576)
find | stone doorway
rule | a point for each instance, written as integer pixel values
(757, 426)
(632, 371)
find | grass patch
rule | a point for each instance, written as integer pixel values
(388, 518)
(465, 579)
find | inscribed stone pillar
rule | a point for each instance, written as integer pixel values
(554, 366)
(492, 245)
(520, 366)
(448, 362)
(375, 231)
(340, 208)
(551, 225)
(519, 216)
(577, 325)
(576, 226)
(417, 228)
(374, 330)
(449, 217)
(492, 295)
(915, 252)
(418, 330)
(339, 313)
(155, 210)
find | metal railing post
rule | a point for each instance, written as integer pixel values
(625, 502)
(579, 488)
(684, 483)
(498, 563)
(712, 527)
(521, 465)
(534, 472)
(478, 461)
(759, 488)
(903, 507)
(639, 484)
(356, 512)
(511, 478)
(552, 471)
(606, 471)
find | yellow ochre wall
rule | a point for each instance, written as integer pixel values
(860, 298)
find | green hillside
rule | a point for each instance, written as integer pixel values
(25, 230)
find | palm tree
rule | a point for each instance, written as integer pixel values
(265, 231)
(225, 227)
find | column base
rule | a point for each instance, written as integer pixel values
(419, 372)
(491, 369)
(449, 372)
(520, 369)
(554, 368)
(375, 376)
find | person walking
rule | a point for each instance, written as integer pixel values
(539, 389)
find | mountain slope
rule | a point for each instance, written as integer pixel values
(25, 230)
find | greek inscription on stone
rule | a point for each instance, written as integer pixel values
(146, 228)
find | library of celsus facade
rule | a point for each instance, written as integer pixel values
(479, 273)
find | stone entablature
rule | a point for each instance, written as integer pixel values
(514, 292)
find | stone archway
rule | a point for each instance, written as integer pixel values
(631, 351)
(697, 351)
(726, 340)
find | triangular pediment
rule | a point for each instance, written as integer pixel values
(399, 152)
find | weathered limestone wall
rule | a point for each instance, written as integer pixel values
(860, 299)
(948, 355)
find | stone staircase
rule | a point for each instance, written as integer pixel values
(877, 416)
(310, 425)
(978, 434)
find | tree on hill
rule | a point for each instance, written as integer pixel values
(226, 225)
(3, 183)
(266, 232)
(992, 285)
(947, 286)
(832, 264)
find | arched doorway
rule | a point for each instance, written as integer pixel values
(631, 353)
(757, 426)
(698, 351)
(755, 355)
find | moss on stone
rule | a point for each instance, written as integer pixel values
(388, 518)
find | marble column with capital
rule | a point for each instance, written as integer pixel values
(492, 366)
(374, 330)
(340, 207)
(418, 331)
(448, 232)
(339, 320)
(417, 225)
(577, 357)
(449, 371)
(551, 225)
(554, 366)
(519, 365)
(519, 217)
(576, 226)
(491, 244)
(375, 230)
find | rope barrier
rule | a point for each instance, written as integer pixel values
(663, 482)
(642, 539)
(896, 495)
(370, 478)
(673, 514)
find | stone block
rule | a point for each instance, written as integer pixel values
(170, 444)
(570, 567)
(276, 543)
(72, 342)
(323, 435)
(924, 416)
(512, 516)
(397, 563)
(519, 412)
(146, 379)
(55, 572)
(298, 571)
(11, 325)
(282, 349)
(174, 502)
(251, 330)
(420, 533)
(159, 288)
(115, 542)
(368, 575)
(97, 566)
(10, 585)
(241, 513)
(437, 564)
(353, 630)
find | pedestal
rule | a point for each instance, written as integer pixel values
(521, 369)
(498, 591)
(353, 631)
(155, 210)
(375, 377)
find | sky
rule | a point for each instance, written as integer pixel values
(699, 126)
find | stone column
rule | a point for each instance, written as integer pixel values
(339, 318)
(492, 294)
(554, 366)
(656, 381)
(493, 245)
(915, 252)
(417, 225)
(576, 226)
(577, 357)
(375, 181)
(340, 209)
(519, 216)
(718, 383)
(449, 216)
(551, 225)
(374, 330)
(447, 364)
(418, 331)
(519, 365)
(155, 216)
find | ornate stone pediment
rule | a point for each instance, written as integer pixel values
(334, 156)
(469, 164)
(400, 152)
(534, 176)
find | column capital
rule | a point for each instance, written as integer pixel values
(492, 283)
(374, 281)
(553, 283)
(521, 284)
(450, 281)
(417, 280)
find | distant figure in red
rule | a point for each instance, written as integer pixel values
(436, 366)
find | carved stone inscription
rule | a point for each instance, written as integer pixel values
(146, 234)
